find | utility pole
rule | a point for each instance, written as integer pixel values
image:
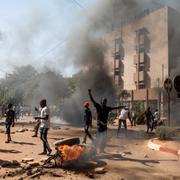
(168, 88)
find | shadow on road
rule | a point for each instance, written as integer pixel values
(9, 151)
(117, 157)
(23, 143)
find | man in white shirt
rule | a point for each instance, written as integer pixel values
(44, 126)
(124, 114)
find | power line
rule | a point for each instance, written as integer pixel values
(78, 4)
(60, 42)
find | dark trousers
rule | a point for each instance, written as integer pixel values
(43, 136)
(87, 134)
(133, 121)
(150, 125)
(8, 131)
(124, 123)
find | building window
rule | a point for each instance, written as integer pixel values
(142, 47)
(141, 39)
(116, 80)
(119, 50)
(117, 64)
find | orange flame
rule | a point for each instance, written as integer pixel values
(72, 152)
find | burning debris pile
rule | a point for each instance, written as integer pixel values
(70, 157)
(69, 151)
(75, 152)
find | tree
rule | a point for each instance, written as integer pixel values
(26, 86)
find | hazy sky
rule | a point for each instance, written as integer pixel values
(36, 31)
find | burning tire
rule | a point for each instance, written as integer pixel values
(68, 141)
(69, 151)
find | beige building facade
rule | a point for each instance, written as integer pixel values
(142, 53)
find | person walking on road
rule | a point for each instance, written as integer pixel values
(149, 119)
(124, 114)
(44, 127)
(87, 122)
(10, 117)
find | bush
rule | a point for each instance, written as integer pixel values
(164, 132)
(140, 119)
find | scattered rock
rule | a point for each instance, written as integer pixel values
(145, 156)
(10, 174)
(22, 130)
(35, 170)
(13, 163)
(19, 171)
(127, 153)
(29, 172)
(56, 175)
(20, 178)
(100, 170)
(44, 159)
(26, 160)
(123, 154)
(36, 175)
(90, 175)
(33, 164)
(26, 167)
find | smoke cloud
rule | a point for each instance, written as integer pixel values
(86, 49)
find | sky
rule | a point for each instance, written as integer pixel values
(35, 32)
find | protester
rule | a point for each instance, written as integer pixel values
(157, 119)
(149, 119)
(10, 117)
(102, 118)
(37, 125)
(87, 122)
(124, 114)
(133, 118)
(44, 127)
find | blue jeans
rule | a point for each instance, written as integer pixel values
(43, 136)
(87, 134)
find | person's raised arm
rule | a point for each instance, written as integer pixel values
(91, 97)
(118, 107)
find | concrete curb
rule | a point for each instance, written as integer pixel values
(158, 147)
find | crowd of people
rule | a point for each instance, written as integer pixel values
(42, 125)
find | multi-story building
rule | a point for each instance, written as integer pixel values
(142, 53)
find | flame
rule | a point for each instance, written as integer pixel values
(72, 152)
